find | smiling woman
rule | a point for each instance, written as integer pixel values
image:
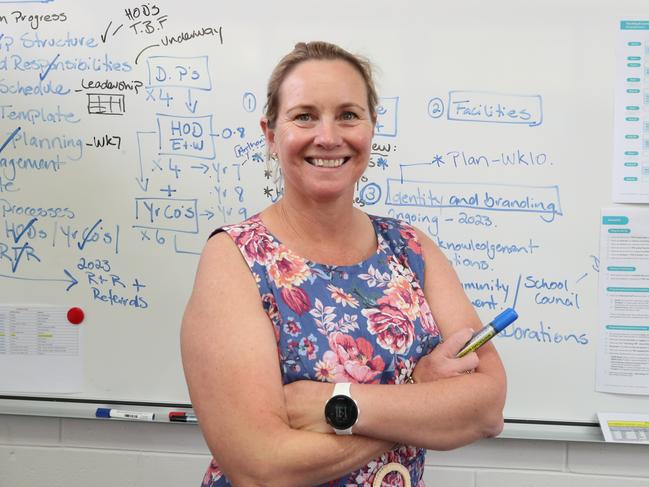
(323, 121)
(313, 292)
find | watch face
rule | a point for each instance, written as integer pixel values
(341, 412)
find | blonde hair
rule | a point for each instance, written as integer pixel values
(316, 50)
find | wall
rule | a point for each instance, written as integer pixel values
(81, 453)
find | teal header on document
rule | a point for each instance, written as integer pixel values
(628, 289)
(627, 327)
(634, 25)
(615, 220)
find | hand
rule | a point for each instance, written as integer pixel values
(305, 402)
(442, 363)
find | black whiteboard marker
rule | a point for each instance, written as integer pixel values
(479, 338)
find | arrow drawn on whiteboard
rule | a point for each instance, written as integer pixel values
(141, 180)
(209, 214)
(143, 183)
(203, 167)
(70, 278)
(191, 106)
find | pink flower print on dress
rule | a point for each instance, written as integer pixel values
(393, 330)
(350, 360)
(341, 297)
(410, 236)
(296, 299)
(287, 269)
(428, 324)
(255, 244)
(212, 475)
(400, 294)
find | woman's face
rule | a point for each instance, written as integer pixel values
(323, 131)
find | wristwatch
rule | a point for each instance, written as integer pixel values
(341, 411)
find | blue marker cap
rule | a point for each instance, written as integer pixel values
(504, 319)
(103, 413)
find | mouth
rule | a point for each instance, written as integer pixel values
(333, 163)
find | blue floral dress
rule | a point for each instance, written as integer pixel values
(366, 323)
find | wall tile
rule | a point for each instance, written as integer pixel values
(171, 470)
(131, 435)
(455, 477)
(98, 468)
(504, 453)
(500, 478)
(608, 458)
(25, 466)
(29, 430)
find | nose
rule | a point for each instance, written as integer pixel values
(328, 134)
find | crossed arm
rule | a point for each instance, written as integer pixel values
(263, 433)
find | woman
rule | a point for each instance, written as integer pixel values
(312, 292)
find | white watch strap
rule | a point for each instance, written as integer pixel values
(342, 389)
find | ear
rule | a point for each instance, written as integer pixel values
(269, 134)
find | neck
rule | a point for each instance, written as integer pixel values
(313, 222)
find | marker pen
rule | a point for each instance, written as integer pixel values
(117, 413)
(481, 337)
(181, 417)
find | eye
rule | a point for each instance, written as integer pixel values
(348, 115)
(303, 117)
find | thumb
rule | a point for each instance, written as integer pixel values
(457, 340)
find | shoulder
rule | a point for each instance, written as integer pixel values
(223, 279)
(226, 256)
(429, 249)
(219, 261)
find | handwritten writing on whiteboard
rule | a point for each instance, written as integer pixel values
(478, 106)
(148, 105)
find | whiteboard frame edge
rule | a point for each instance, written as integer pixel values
(588, 432)
(518, 429)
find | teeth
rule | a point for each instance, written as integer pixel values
(327, 162)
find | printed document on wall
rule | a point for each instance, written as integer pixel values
(623, 358)
(40, 351)
(631, 158)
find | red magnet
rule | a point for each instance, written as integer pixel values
(75, 315)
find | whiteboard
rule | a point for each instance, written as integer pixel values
(140, 124)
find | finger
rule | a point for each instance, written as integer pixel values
(469, 362)
(457, 340)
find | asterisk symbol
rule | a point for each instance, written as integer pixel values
(438, 160)
(382, 162)
(268, 192)
(267, 174)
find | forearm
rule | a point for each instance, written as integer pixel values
(290, 457)
(439, 415)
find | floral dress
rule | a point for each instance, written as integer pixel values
(365, 323)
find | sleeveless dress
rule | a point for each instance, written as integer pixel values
(365, 323)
